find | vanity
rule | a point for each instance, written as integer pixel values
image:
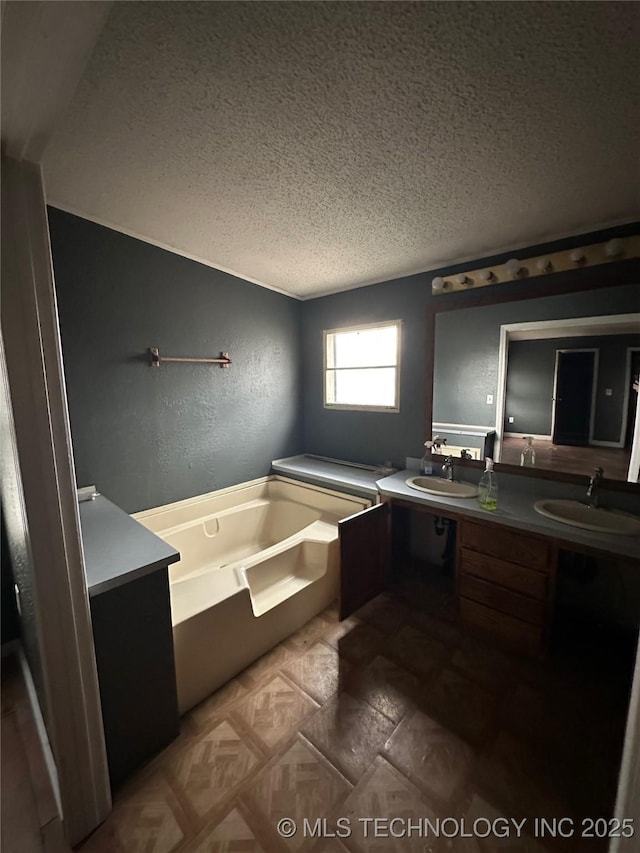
(506, 561)
(500, 360)
(505, 584)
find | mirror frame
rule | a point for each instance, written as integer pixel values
(590, 278)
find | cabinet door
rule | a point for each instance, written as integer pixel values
(136, 669)
(364, 557)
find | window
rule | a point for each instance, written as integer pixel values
(361, 367)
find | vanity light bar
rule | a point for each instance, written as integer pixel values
(514, 269)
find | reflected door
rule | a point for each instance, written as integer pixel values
(573, 397)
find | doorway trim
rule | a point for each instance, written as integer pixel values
(45, 503)
(627, 395)
(45, 48)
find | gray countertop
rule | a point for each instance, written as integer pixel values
(331, 473)
(516, 496)
(117, 548)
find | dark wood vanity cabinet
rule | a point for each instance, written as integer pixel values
(505, 583)
(505, 577)
(365, 542)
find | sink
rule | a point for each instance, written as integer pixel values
(589, 518)
(442, 487)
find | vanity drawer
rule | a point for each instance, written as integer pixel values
(527, 609)
(504, 574)
(514, 632)
(507, 545)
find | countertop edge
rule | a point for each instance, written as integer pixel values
(117, 548)
(135, 574)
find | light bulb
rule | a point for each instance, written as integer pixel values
(438, 284)
(577, 256)
(544, 265)
(614, 248)
(486, 275)
(463, 279)
(513, 267)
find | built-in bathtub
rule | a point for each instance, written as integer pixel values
(258, 560)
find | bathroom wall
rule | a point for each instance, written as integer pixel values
(467, 344)
(530, 383)
(147, 436)
(368, 437)
(467, 340)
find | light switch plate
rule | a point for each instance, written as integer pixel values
(489, 399)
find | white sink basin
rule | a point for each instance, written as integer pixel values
(589, 518)
(442, 487)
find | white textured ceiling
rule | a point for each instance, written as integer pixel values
(315, 146)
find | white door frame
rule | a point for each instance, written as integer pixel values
(41, 444)
(627, 394)
(628, 795)
(45, 48)
(633, 474)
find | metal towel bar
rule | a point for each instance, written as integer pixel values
(155, 359)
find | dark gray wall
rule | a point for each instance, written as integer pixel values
(146, 436)
(530, 374)
(467, 344)
(461, 386)
(368, 437)
(149, 436)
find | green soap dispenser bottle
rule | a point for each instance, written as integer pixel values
(488, 488)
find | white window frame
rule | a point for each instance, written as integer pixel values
(325, 369)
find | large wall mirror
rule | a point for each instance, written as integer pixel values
(549, 364)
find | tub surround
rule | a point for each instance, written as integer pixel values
(344, 476)
(127, 578)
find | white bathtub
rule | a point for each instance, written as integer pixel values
(258, 560)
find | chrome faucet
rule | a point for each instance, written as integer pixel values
(447, 468)
(594, 484)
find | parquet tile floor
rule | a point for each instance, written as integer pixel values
(394, 713)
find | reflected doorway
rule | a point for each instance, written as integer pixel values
(573, 397)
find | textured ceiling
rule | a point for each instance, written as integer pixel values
(312, 147)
